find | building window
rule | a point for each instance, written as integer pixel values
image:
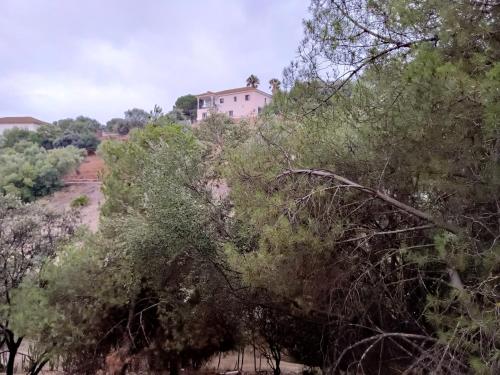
(247, 97)
(265, 100)
(204, 115)
(235, 98)
(259, 110)
(221, 100)
(205, 103)
(231, 113)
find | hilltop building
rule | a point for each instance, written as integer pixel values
(237, 103)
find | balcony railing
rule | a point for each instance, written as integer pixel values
(206, 102)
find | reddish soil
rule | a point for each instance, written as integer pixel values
(85, 180)
(91, 169)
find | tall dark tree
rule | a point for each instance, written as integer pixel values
(274, 85)
(253, 81)
(187, 105)
(372, 231)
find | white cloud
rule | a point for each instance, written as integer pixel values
(100, 58)
(100, 54)
(57, 96)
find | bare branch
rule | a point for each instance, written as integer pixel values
(380, 337)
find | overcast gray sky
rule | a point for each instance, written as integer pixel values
(62, 58)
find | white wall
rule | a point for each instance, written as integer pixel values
(31, 127)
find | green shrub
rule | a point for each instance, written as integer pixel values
(28, 171)
(81, 201)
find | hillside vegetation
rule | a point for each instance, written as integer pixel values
(360, 232)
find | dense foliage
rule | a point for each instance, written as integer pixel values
(29, 237)
(160, 298)
(353, 227)
(372, 201)
(12, 136)
(133, 118)
(32, 163)
(29, 171)
(187, 105)
(80, 132)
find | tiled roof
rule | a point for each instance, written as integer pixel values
(234, 91)
(20, 120)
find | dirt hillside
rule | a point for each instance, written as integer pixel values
(85, 181)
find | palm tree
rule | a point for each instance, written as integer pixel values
(253, 81)
(274, 85)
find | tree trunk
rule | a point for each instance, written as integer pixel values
(277, 370)
(276, 353)
(37, 367)
(174, 366)
(130, 319)
(13, 346)
(242, 358)
(254, 357)
(237, 364)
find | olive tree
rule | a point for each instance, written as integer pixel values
(29, 236)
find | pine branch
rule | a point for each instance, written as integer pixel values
(378, 194)
(455, 279)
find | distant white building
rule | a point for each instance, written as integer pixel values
(28, 123)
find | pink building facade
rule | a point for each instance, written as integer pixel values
(237, 103)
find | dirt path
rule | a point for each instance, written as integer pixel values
(91, 169)
(85, 180)
(61, 201)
